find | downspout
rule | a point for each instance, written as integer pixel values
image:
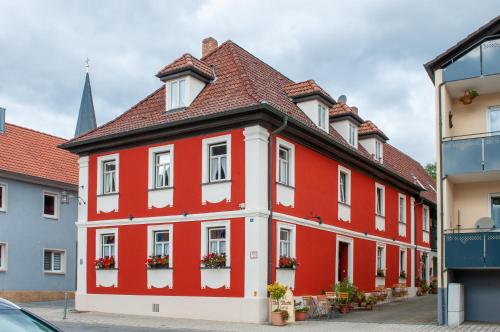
(444, 306)
(270, 200)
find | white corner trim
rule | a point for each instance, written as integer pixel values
(206, 142)
(350, 260)
(291, 162)
(170, 229)
(100, 161)
(98, 242)
(204, 238)
(3, 203)
(83, 188)
(293, 242)
(56, 204)
(151, 164)
(4, 246)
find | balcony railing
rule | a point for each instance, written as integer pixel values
(472, 250)
(481, 60)
(471, 155)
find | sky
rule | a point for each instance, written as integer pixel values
(371, 51)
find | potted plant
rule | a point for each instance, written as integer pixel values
(345, 287)
(157, 262)
(380, 273)
(287, 262)
(277, 292)
(424, 287)
(402, 274)
(214, 261)
(301, 312)
(370, 302)
(105, 263)
(468, 96)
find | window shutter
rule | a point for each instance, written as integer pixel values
(47, 261)
(57, 261)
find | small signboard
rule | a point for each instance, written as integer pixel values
(286, 303)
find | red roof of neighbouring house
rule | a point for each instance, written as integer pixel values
(28, 152)
(186, 62)
(242, 81)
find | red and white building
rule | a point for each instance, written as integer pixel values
(190, 169)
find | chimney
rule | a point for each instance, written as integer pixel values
(208, 46)
(2, 120)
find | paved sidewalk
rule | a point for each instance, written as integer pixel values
(88, 321)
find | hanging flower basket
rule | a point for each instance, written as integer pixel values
(468, 96)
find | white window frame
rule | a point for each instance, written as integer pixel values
(205, 226)
(181, 98)
(490, 196)
(63, 261)
(381, 187)
(281, 143)
(383, 258)
(492, 108)
(322, 117)
(425, 218)
(3, 203)
(56, 204)
(3, 256)
(98, 241)
(293, 242)
(405, 260)
(151, 240)
(153, 151)
(205, 162)
(403, 221)
(100, 180)
(378, 150)
(352, 132)
(346, 171)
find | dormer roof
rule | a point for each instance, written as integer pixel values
(305, 90)
(368, 128)
(341, 111)
(186, 63)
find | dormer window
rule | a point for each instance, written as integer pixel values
(177, 94)
(322, 116)
(352, 134)
(378, 151)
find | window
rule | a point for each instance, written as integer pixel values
(380, 258)
(53, 261)
(177, 94)
(3, 197)
(494, 119)
(424, 267)
(50, 205)
(378, 151)
(285, 242)
(379, 200)
(402, 209)
(425, 219)
(109, 176)
(217, 240)
(343, 187)
(218, 162)
(3, 256)
(402, 261)
(352, 135)
(162, 169)
(283, 167)
(161, 243)
(495, 210)
(322, 116)
(107, 245)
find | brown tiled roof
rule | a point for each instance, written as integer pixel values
(29, 152)
(341, 109)
(186, 62)
(306, 88)
(242, 81)
(368, 128)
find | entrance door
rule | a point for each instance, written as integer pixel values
(343, 261)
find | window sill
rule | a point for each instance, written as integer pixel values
(3, 210)
(402, 222)
(344, 204)
(48, 216)
(108, 194)
(215, 268)
(215, 182)
(176, 109)
(286, 268)
(159, 268)
(380, 215)
(3, 270)
(285, 185)
(54, 272)
(161, 188)
(113, 269)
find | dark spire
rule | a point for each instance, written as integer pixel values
(86, 115)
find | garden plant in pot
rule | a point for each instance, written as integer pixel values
(301, 311)
(276, 292)
(345, 293)
(370, 302)
(468, 96)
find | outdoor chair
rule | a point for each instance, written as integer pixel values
(309, 301)
(324, 306)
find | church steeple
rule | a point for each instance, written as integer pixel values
(86, 115)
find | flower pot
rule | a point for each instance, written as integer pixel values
(300, 315)
(277, 318)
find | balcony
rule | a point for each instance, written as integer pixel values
(480, 154)
(479, 250)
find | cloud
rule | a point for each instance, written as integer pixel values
(372, 51)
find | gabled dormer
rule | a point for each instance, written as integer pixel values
(346, 121)
(184, 79)
(312, 100)
(372, 139)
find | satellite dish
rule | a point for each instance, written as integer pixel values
(484, 223)
(342, 99)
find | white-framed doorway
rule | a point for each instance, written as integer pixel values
(344, 258)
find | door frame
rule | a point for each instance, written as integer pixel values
(350, 257)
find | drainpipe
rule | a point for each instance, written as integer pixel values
(444, 306)
(270, 200)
